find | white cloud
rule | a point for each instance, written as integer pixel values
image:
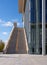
(18, 23)
(4, 33)
(15, 20)
(8, 24)
(1, 20)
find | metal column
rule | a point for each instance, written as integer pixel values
(37, 28)
(30, 50)
(43, 27)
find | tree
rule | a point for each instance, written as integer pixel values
(1, 45)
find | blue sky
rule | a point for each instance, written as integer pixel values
(8, 14)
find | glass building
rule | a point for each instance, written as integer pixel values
(32, 18)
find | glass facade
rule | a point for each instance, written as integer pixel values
(33, 10)
(40, 10)
(33, 39)
(34, 23)
(33, 26)
(46, 10)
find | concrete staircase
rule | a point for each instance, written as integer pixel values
(21, 44)
(11, 47)
(17, 42)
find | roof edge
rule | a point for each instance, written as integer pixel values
(21, 5)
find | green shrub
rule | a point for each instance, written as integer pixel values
(1, 46)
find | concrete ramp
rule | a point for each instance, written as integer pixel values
(17, 43)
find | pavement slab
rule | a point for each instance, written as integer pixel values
(22, 59)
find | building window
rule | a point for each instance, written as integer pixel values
(40, 10)
(33, 11)
(46, 10)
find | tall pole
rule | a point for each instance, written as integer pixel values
(43, 27)
(29, 22)
(37, 28)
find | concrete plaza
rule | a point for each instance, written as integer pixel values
(22, 59)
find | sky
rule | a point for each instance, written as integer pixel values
(8, 15)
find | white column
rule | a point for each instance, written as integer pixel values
(29, 23)
(30, 26)
(43, 27)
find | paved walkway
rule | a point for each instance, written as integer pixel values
(23, 59)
